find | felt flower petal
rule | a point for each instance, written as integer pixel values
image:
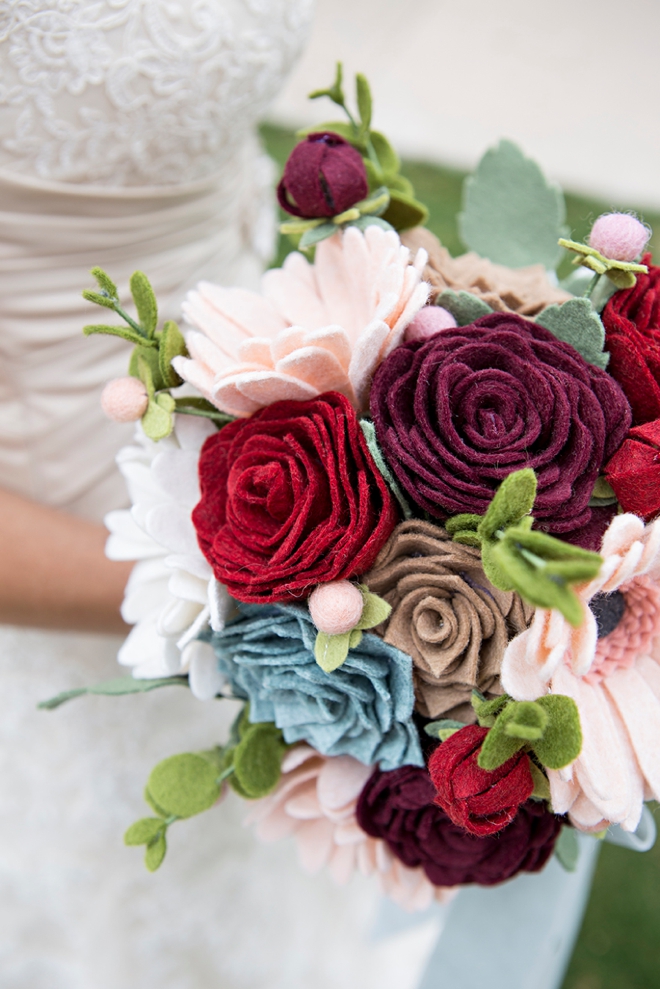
(639, 710)
(316, 367)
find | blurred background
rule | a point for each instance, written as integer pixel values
(574, 84)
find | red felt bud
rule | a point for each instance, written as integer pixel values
(480, 800)
(634, 471)
(324, 176)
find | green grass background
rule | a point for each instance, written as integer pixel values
(619, 944)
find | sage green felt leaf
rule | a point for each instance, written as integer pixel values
(316, 234)
(363, 222)
(155, 853)
(463, 306)
(405, 211)
(154, 806)
(145, 302)
(567, 848)
(194, 405)
(388, 159)
(100, 300)
(330, 651)
(258, 760)
(158, 421)
(184, 785)
(105, 282)
(113, 688)
(498, 747)
(621, 279)
(149, 356)
(541, 789)
(170, 344)
(355, 638)
(526, 720)
(436, 728)
(369, 431)
(511, 502)
(144, 831)
(114, 331)
(376, 203)
(364, 101)
(375, 610)
(562, 739)
(399, 183)
(576, 322)
(511, 213)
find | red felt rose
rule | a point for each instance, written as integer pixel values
(324, 176)
(632, 336)
(480, 800)
(291, 498)
(634, 471)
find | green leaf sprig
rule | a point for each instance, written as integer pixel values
(331, 651)
(382, 164)
(623, 274)
(516, 558)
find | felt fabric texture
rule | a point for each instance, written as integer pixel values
(315, 801)
(619, 236)
(362, 709)
(632, 331)
(634, 471)
(398, 807)
(429, 320)
(314, 327)
(290, 498)
(455, 415)
(323, 176)
(336, 607)
(481, 801)
(446, 615)
(124, 399)
(576, 322)
(614, 680)
(523, 290)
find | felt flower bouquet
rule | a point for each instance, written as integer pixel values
(403, 509)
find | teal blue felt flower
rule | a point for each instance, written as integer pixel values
(363, 708)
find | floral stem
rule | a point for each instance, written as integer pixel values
(591, 286)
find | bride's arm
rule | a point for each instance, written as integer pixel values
(53, 571)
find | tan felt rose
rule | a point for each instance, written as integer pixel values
(523, 290)
(446, 615)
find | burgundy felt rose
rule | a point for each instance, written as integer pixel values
(398, 807)
(479, 800)
(290, 498)
(632, 336)
(324, 176)
(634, 471)
(456, 414)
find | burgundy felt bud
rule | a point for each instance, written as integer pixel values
(480, 800)
(634, 471)
(324, 176)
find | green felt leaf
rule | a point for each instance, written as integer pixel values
(567, 848)
(158, 421)
(145, 302)
(467, 537)
(541, 789)
(526, 720)
(531, 583)
(363, 222)
(170, 344)
(150, 357)
(405, 211)
(105, 282)
(144, 831)
(497, 746)
(577, 323)
(374, 611)
(194, 405)
(316, 234)
(114, 331)
(334, 92)
(511, 213)
(561, 743)
(440, 729)
(487, 710)
(113, 688)
(364, 101)
(184, 785)
(399, 183)
(493, 569)
(155, 853)
(466, 521)
(369, 431)
(355, 638)
(463, 306)
(341, 127)
(621, 279)
(389, 161)
(258, 760)
(154, 806)
(512, 501)
(100, 300)
(330, 651)
(376, 203)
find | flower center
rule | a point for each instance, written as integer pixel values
(608, 611)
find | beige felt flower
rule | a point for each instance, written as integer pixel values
(446, 615)
(315, 328)
(315, 800)
(523, 290)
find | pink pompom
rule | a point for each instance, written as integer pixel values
(619, 236)
(429, 321)
(336, 607)
(124, 399)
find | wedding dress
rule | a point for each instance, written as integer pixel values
(127, 141)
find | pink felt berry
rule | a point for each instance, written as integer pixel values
(336, 607)
(429, 321)
(619, 236)
(124, 399)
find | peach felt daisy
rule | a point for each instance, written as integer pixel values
(610, 666)
(315, 328)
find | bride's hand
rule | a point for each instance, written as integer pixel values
(53, 571)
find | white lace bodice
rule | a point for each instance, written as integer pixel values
(138, 92)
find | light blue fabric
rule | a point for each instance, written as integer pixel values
(363, 709)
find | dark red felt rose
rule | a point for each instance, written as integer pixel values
(324, 176)
(456, 414)
(481, 801)
(634, 471)
(632, 336)
(291, 498)
(398, 807)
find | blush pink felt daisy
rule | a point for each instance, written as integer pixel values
(314, 328)
(315, 800)
(613, 678)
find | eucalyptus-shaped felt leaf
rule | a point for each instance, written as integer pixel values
(464, 307)
(155, 853)
(144, 831)
(184, 785)
(257, 760)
